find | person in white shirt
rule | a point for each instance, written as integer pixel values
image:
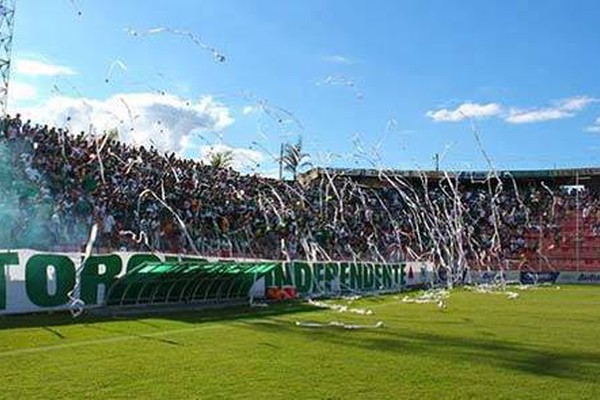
(108, 224)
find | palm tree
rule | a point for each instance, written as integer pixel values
(112, 134)
(293, 159)
(221, 159)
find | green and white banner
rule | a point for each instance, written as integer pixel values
(33, 281)
(329, 278)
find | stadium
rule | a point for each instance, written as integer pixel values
(131, 266)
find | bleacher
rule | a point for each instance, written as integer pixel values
(57, 186)
(576, 248)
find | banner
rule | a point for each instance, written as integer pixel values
(491, 277)
(419, 273)
(591, 278)
(533, 278)
(33, 281)
(334, 278)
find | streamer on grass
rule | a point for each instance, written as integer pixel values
(337, 324)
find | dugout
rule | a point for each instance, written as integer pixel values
(191, 283)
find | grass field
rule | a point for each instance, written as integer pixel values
(545, 344)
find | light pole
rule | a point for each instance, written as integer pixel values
(7, 22)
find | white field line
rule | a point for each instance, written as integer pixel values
(114, 339)
(122, 338)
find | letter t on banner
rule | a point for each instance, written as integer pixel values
(6, 259)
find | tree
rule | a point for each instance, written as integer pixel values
(221, 159)
(112, 134)
(294, 159)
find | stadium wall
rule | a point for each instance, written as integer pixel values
(33, 281)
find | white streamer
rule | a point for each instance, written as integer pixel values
(337, 324)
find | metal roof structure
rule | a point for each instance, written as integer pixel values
(197, 282)
(373, 177)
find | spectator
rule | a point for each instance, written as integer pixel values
(171, 204)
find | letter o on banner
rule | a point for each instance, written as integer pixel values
(36, 279)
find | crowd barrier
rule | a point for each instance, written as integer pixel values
(33, 281)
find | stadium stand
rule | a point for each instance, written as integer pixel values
(56, 185)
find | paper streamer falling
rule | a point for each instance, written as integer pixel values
(76, 306)
(114, 65)
(217, 55)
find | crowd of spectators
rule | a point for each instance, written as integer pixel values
(54, 186)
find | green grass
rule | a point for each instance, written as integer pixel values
(545, 344)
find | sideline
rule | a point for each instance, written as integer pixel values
(127, 337)
(114, 339)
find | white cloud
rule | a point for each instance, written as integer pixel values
(41, 68)
(595, 128)
(565, 108)
(559, 109)
(517, 116)
(465, 111)
(243, 159)
(338, 59)
(247, 110)
(19, 91)
(576, 103)
(166, 121)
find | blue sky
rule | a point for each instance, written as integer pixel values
(385, 83)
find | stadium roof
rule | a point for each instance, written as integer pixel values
(559, 176)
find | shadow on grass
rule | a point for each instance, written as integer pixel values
(105, 329)
(543, 362)
(47, 321)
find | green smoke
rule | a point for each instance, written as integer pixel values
(24, 211)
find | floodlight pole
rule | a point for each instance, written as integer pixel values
(7, 22)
